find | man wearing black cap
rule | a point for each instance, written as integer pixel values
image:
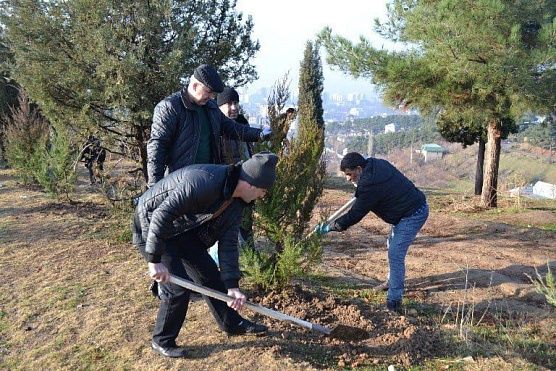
(177, 219)
(187, 127)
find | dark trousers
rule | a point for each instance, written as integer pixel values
(188, 258)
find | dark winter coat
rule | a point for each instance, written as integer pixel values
(385, 191)
(236, 150)
(93, 152)
(175, 134)
(186, 201)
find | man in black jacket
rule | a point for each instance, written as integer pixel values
(175, 222)
(384, 190)
(233, 150)
(187, 127)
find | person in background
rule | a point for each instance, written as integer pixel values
(232, 149)
(235, 151)
(92, 154)
(384, 190)
(177, 219)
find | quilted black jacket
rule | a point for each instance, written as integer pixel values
(187, 199)
(384, 190)
(175, 134)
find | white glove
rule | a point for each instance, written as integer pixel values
(266, 132)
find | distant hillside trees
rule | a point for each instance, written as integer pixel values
(488, 60)
(375, 124)
(101, 66)
(383, 143)
(542, 135)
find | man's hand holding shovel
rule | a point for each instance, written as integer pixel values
(322, 229)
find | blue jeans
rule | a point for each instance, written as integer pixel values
(401, 237)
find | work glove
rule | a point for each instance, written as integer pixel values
(266, 132)
(322, 229)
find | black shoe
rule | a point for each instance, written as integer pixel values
(394, 305)
(247, 327)
(172, 352)
(154, 289)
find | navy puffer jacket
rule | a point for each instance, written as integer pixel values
(384, 190)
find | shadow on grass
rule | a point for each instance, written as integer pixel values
(477, 278)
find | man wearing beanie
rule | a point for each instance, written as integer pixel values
(233, 150)
(177, 219)
(187, 127)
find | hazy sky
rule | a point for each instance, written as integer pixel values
(283, 28)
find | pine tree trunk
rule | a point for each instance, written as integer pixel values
(140, 138)
(488, 196)
(480, 165)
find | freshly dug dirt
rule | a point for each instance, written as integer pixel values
(360, 334)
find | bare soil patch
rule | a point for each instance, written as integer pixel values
(73, 297)
(361, 333)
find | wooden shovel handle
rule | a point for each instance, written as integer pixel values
(336, 215)
(254, 307)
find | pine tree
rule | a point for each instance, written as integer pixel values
(102, 66)
(283, 215)
(9, 92)
(488, 60)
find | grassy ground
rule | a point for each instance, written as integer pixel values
(74, 293)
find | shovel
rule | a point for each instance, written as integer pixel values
(254, 307)
(336, 215)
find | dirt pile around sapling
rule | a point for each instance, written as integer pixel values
(362, 334)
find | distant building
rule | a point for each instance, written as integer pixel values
(432, 151)
(537, 191)
(390, 128)
(337, 97)
(545, 190)
(244, 98)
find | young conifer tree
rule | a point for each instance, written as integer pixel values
(283, 215)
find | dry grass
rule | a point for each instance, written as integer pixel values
(71, 297)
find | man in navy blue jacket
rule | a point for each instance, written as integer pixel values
(384, 190)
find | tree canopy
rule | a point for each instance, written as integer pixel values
(482, 61)
(101, 66)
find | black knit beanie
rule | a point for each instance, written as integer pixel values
(228, 95)
(208, 75)
(260, 170)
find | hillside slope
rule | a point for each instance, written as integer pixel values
(73, 297)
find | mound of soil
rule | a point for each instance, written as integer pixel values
(361, 334)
